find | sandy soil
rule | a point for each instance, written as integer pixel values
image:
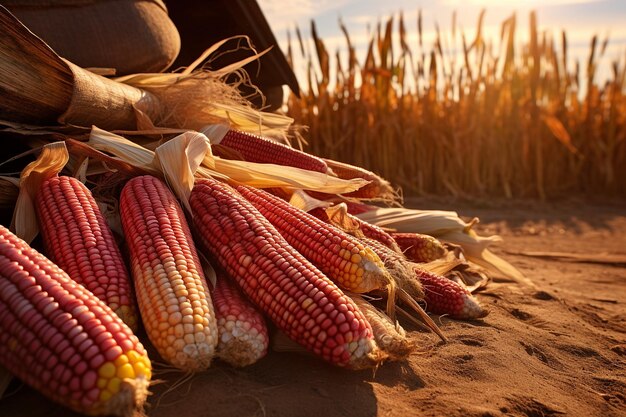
(555, 349)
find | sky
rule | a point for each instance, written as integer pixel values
(580, 18)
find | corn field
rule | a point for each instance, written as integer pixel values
(501, 119)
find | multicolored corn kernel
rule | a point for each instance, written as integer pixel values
(443, 296)
(418, 247)
(62, 340)
(293, 293)
(172, 292)
(77, 238)
(343, 258)
(259, 149)
(241, 327)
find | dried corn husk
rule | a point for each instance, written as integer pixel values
(76, 96)
(72, 95)
(455, 267)
(25, 60)
(9, 190)
(50, 162)
(198, 97)
(449, 227)
(189, 155)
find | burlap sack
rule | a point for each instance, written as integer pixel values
(129, 35)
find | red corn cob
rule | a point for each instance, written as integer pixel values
(62, 340)
(443, 296)
(418, 247)
(297, 297)
(77, 238)
(340, 256)
(258, 149)
(243, 336)
(172, 292)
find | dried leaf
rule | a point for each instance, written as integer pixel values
(446, 226)
(179, 170)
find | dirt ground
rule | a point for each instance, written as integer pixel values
(558, 348)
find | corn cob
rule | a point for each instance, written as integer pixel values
(390, 337)
(378, 187)
(419, 248)
(258, 149)
(357, 227)
(77, 238)
(344, 259)
(296, 296)
(443, 296)
(173, 295)
(243, 336)
(62, 340)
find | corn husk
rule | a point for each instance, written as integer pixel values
(188, 155)
(26, 60)
(76, 96)
(50, 162)
(447, 226)
(72, 95)
(304, 201)
(455, 267)
(96, 100)
(9, 190)
(197, 97)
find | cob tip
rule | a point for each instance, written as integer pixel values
(366, 355)
(471, 308)
(128, 402)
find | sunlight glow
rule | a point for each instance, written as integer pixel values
(514, 3)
